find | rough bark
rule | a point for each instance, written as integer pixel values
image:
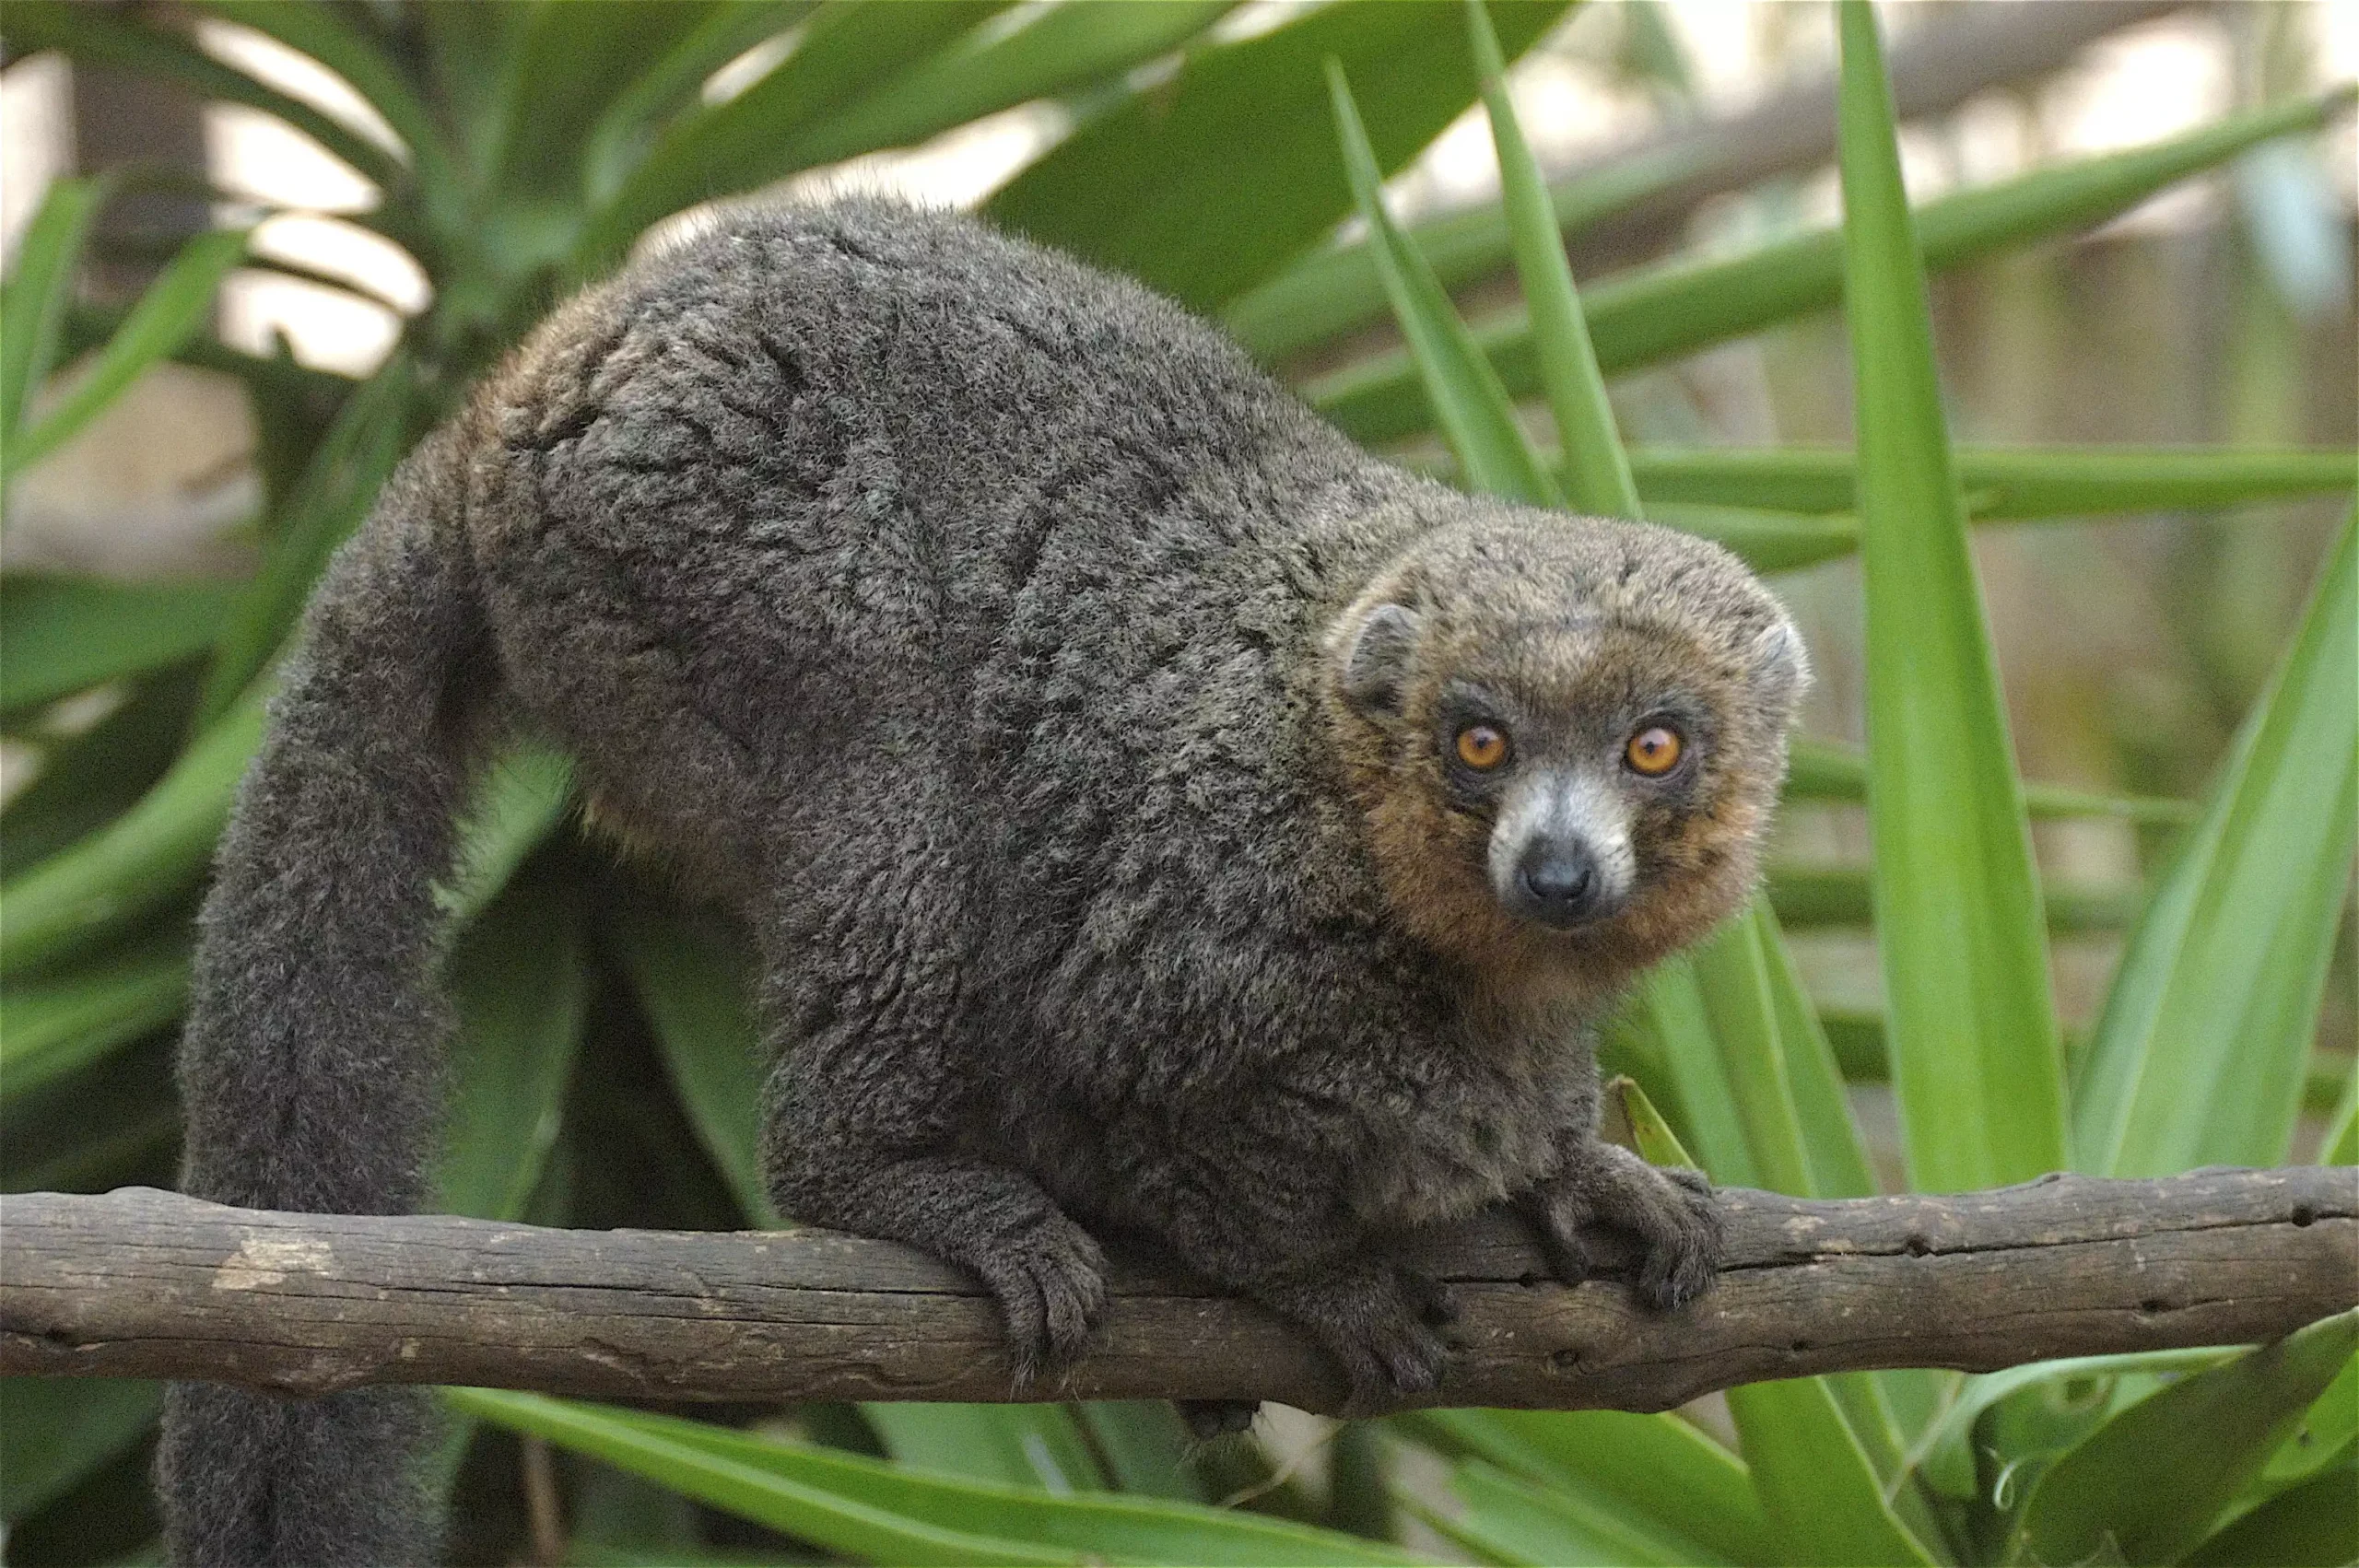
(141, 1283)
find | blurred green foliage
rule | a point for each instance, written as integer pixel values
(607, 1054)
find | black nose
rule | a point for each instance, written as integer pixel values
(1560, 882)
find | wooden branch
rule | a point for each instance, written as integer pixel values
(141, 1283)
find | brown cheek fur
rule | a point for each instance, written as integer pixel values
(1431, 859)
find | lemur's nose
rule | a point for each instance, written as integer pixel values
(1560, 881)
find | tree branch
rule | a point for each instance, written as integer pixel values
(141, 1283)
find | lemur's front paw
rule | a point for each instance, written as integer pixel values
(1050, 1284)
(1673, 1212)
(1383, 1324)
(1670, 1210)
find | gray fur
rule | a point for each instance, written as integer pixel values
(984, 628)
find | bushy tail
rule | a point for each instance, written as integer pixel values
(310, 1065)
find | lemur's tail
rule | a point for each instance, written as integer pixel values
(310, 1067)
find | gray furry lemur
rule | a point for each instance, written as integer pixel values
(1157, 817)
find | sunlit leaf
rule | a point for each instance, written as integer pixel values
(172, 309)
(1824, 1499)
(1474, 413)
(849, 1503)
(2199, 1056)
(60, 635)
(1676, 307)
(2151, 1482)
(1977, 1064)
(1596, 470)
(34, 301)
(1209, 182)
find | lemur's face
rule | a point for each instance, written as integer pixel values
(1571, 739)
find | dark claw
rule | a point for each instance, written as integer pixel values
(1051, 1285)
(1680, 1222)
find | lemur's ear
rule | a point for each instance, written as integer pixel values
(1374, 672)
(1780, 667)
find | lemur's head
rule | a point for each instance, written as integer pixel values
(1567, 734)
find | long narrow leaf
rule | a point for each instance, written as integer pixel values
(1837, 895)
(1976, 1060)
(1826, 770)
(1058, 49)
(338, 488)
(693, 982)
(1209, 182)
(566, 67)
(149, 855)
(1671, 1012)
(1335, 289)
(1822, 1496)
(663, 86)
(61, 635)
(850, 1503)
(1030, 1446)
(2151, 1482)
(1945, 1453)
(2315, 1522)
(174, 307)
(848, 49)
(515, 805)
(1669, 1480)
(33, 301)
(1597, 471)
(86, 780)
(520, 984)
(2004, 483)
(2340, 1144)
(1660, 312)
(51, 1024)
(1476, 414)
(2200, 1055)
(1508, 1519)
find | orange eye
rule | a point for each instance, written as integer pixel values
(1482, 747)
(1653, 751)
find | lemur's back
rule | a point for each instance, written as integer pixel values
(825, 487)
